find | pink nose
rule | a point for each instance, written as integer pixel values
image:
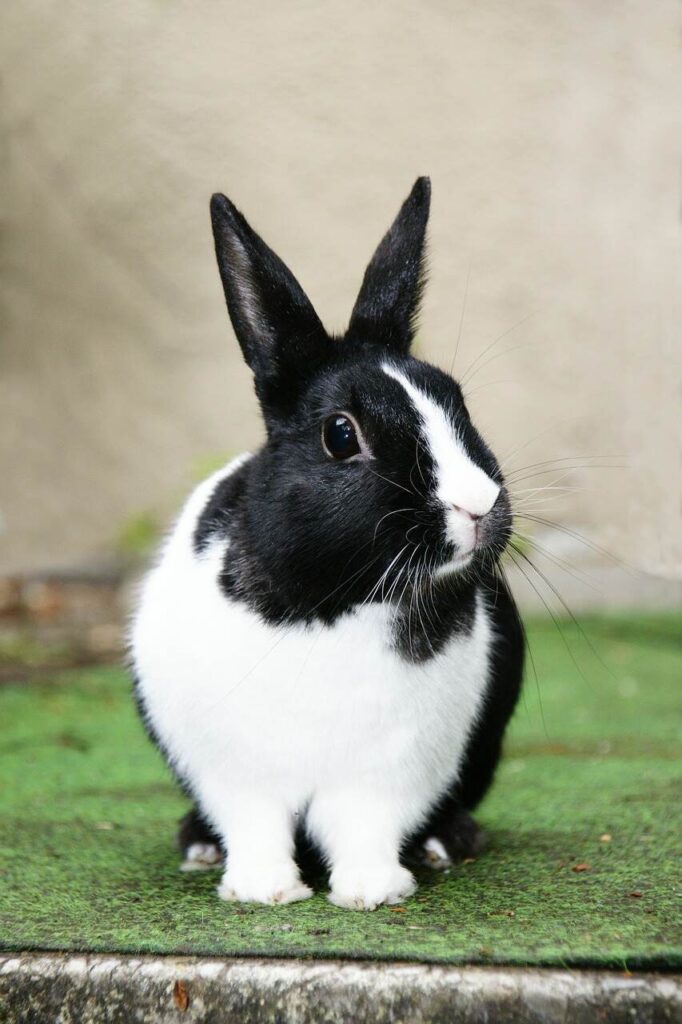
(465, 512)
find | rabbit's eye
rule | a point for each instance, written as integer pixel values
(340, 437)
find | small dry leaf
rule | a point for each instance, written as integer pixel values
(635, 895)
(502, 913)
(398, 910)
(469, 860)
(180, 995)
(606, 838)
(581, 867)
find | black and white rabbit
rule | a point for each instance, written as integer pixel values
(326, 647)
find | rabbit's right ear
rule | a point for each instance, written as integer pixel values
(387, 307)
(272, 317)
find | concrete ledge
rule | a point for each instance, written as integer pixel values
(37, 988)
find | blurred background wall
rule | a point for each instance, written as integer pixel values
(551, 131)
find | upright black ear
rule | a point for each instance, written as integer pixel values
(272, 317)
(387, 307)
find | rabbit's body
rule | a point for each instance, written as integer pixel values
(304, 669)
(329, 723)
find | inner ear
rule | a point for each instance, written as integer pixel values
(387, 308)
(247, 299)
(272, 316)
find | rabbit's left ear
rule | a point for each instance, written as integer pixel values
(387, 307)
(277, 328)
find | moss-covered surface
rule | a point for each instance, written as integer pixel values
(584, 828)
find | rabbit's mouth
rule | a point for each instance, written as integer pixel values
(468, 536)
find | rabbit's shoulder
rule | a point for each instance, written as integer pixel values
(206, 512)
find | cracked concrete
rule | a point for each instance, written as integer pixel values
(63, 989)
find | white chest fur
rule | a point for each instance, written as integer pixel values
(305, 718)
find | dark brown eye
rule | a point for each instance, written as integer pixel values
(340, 437)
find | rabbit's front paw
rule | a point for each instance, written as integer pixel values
(366, 888)
(272, 884)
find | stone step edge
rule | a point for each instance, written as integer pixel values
(91, 989)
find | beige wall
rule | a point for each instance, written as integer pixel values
(552, 134)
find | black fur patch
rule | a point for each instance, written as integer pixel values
(434, 613)
(217, 515)
(311, 538)
(195, 828)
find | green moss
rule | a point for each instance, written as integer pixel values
(21, 649)
(87, 821)
(139, 535)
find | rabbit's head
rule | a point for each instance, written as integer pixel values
(372, 478)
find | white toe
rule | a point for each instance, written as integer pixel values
(435, 854)
(368, 888)
(201, 857)
(273, 885)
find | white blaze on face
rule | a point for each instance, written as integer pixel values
(464, 488)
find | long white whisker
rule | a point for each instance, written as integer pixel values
(497, 340)
(393, 513)
(461, 319)
(389, 481)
